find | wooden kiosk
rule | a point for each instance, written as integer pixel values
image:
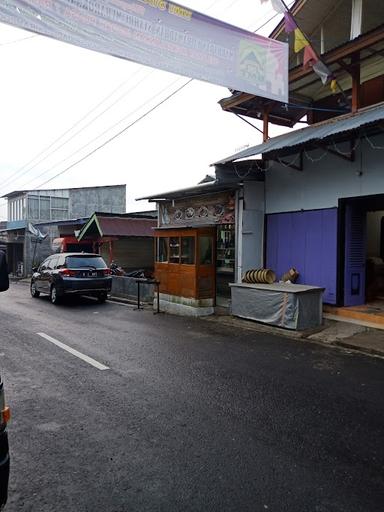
(185, 266)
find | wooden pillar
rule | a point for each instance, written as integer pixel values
(355, 65)
(265, 124)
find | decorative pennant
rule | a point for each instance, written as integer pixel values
(300, 40)
(333, 86)
(290, 23)
(322, 71)
(310, 58)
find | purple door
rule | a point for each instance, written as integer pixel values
(355, 255)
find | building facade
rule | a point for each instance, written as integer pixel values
(49, 208)
(324, 185)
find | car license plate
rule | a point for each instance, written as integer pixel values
(93, 274)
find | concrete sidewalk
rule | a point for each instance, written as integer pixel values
(334, 333)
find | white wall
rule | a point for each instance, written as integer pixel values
(322, 183)
(251, 229)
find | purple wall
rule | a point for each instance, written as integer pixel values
(307, 241)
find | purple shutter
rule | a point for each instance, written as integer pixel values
(355, 255)
(307, 241)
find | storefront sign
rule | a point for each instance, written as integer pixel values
(217, 209)
(163, 35)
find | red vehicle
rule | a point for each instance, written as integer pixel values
(71, 244)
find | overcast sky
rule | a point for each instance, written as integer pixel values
(52, 91)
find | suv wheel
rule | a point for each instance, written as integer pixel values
(54, 296)
(102, 297)
(34, 291)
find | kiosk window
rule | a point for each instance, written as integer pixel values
(162, 249)
(174, 249)
(187, 250)
(205, 243)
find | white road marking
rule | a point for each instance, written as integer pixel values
(74, 352)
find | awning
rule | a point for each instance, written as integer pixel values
(99, 226)
(312, 136)
(209, 187)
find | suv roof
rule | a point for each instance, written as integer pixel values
(76, 254)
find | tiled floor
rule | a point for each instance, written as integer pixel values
(371, 312)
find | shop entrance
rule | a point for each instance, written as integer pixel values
(15, 259)
(225, 263)
(364, 252)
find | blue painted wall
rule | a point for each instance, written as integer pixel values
(307, 241)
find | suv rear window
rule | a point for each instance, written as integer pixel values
(85, 261)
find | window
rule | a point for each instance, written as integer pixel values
(33, 207)
(45, 208)
(52, 263)
(187, 250)
(174, 250)
(61, 262)
(205, 245)
(162, 249)
(85, 261)
(44, 265)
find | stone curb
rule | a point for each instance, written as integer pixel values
(298, 335)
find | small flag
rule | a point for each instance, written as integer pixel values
(322, 71)
(333, 86)
(310, 57)
(290, 23)
(36, 232)
(300, 40)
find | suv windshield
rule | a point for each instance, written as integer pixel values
(85, 261)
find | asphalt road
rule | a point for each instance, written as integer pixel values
(189, 415)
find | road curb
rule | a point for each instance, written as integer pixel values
(358, 348)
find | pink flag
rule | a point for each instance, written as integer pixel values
(310, 58)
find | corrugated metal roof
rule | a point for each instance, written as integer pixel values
(115, 226)
(202, 188)
(317, 132)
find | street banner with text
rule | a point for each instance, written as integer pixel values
(162, 35)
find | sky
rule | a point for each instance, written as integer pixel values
(59, 102)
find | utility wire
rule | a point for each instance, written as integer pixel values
(117, 134)
(103, 133)
(10, 178)
(17, 40)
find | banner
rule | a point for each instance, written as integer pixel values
(163, 35)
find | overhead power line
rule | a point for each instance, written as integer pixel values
(116, 135)
(103, 133)
(12, 177)
(7, 43)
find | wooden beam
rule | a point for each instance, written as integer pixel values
(229, 103)
(265, 124)
(346, 50)
(355, 82)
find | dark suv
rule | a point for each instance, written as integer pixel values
(72, 273)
